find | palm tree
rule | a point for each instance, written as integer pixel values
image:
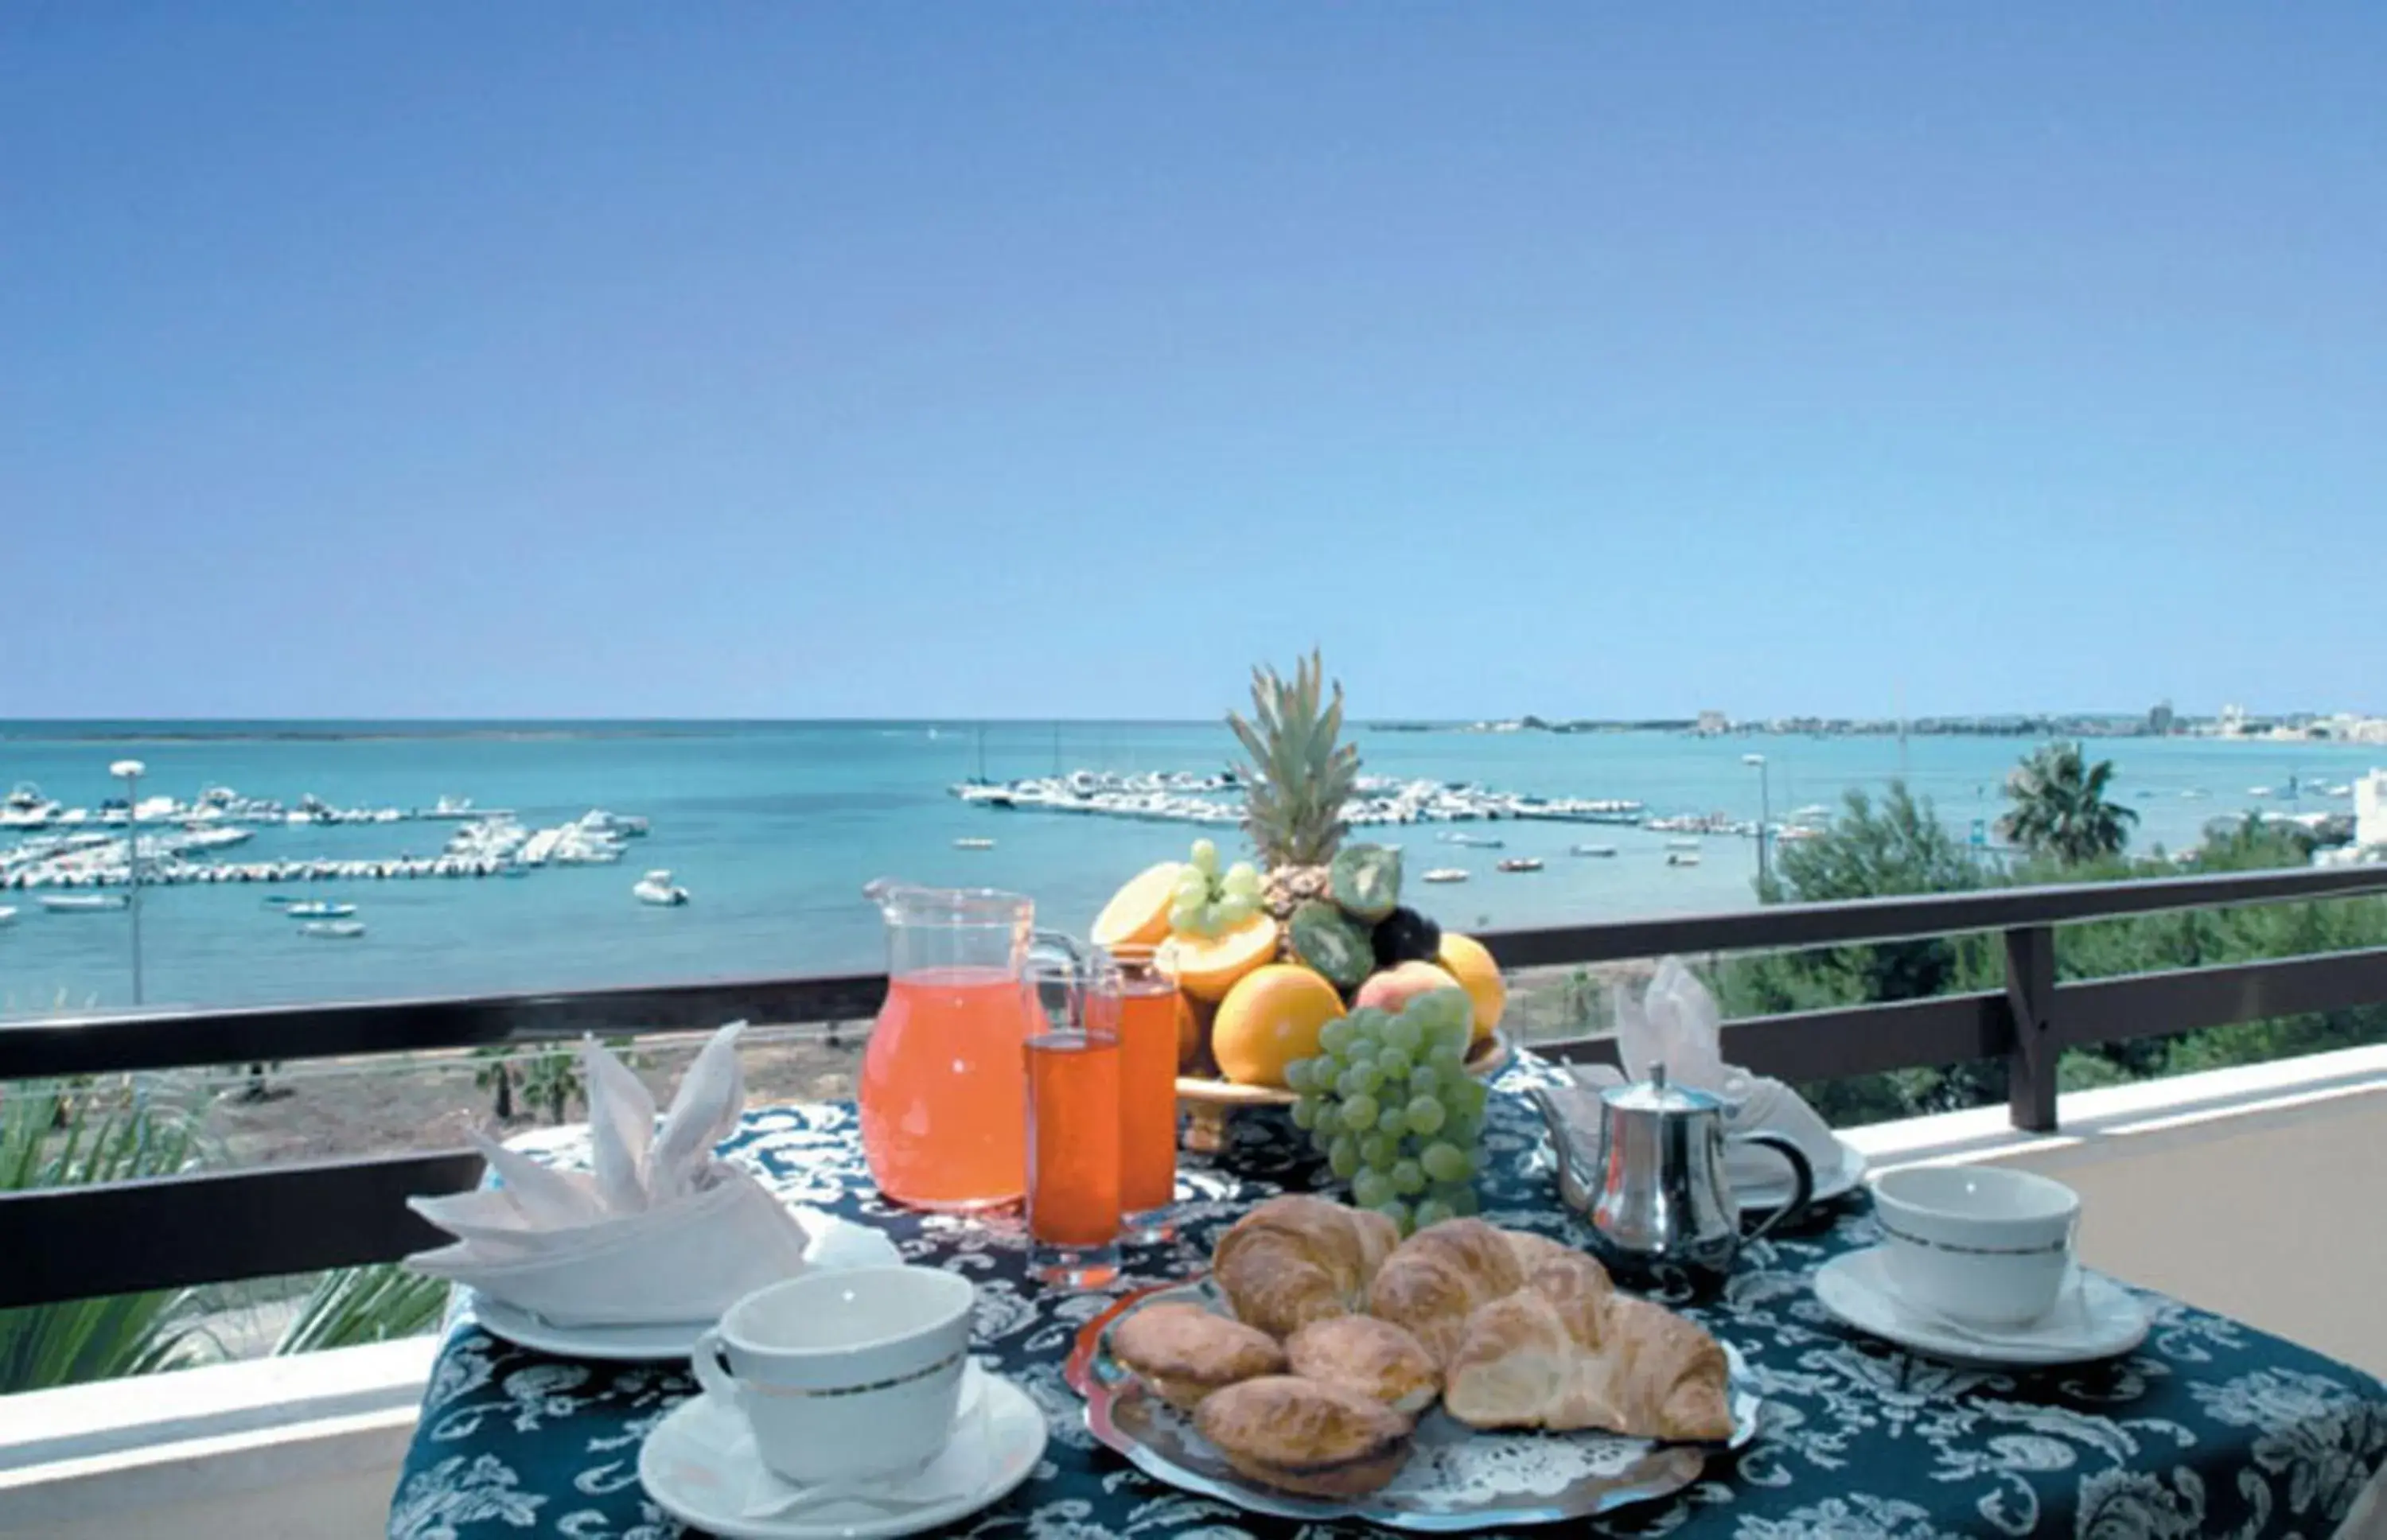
(2060, 808)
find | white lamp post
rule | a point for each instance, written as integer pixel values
(130, 771)
(1764, 813)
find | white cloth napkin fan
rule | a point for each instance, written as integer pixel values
(657, 1231)
(1677, 1023)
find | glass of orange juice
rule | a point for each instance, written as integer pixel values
(1147, 1038)
(1073, 1118)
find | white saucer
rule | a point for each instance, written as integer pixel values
(1838, 1182)
(613, 1344)
(2096, 1318)
(699, 1463)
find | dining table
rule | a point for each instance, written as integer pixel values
(2209, 1427)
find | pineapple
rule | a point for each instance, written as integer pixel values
(1296, 783)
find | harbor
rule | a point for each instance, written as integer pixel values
(1180, 797)
(172, 843)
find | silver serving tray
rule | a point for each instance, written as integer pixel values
(1458, 1478)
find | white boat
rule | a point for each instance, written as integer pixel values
(968, 843)
(1682, 844)
(1445, 873)
(1522, 864)
(2258, 791)
(657, 888)
(1682, 858)
(83, 903)
(1591, 850)
(6, 914)
(318, 909)
(335, 930)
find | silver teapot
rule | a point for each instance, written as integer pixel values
(1657, 1193)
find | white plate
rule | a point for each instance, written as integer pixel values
(1773, 1192)
(613, 1344)
(698, 1461)
(2096, 1318)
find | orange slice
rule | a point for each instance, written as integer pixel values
(1138, 914)
(1207, 967)
(1269, 1020)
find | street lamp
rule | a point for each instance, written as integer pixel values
(129, 771)
(1764, 815)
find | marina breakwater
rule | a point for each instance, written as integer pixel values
(1180, 797)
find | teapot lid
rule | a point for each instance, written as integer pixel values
(1656, 1094)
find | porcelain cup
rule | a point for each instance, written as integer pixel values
(847, 1374)
(1977, 1244)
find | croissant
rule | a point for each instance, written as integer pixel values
(1297, 1260)
(1440, 1275)
(1566, 1353)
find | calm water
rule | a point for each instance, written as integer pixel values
(774, 829)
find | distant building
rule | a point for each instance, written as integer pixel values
(1714, 724)
(2160, 719)
(2233, 721)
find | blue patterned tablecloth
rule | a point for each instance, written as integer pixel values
(2210, 1429)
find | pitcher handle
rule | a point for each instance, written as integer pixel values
(1802, 1178)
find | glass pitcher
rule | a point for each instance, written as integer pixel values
(944, 1093)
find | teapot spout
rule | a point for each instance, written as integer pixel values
(1573, 1190)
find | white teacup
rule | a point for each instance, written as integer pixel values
(1977, 1244)
(844, 1374)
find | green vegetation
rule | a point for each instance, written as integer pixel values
(81, 1133)
(1900, 846)
(53, 1134)
(2060, 812)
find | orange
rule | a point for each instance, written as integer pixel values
(1207, 967)
(1466, 960)
(1138, 914)
(1271, 1017)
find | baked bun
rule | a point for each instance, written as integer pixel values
(1297, 1260)
(1182, 1352)
(1305, 1436)
(1578, 1356)
(1438, 1276)
(1372, 1356)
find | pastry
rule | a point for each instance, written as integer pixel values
(1297, 1260)
(1440, 1275)
(1182, 1352)
(1372, 1356)
(1582, 1358)
(1303, 1436)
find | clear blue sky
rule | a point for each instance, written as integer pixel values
(789, 359)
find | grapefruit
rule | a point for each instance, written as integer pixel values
(1207, 967)
(1269, 1020)
(1138, 914)
(1469, 960)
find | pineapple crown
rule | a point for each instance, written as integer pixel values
(1299, 777)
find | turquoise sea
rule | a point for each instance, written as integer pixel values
(773, 827)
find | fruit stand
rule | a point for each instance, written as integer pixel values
(1304, 981)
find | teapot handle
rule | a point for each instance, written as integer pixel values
(1802, 1177)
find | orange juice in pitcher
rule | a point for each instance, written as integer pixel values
(943, 1096)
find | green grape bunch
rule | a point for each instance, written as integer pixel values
(1389, 1103)
(1207, 902)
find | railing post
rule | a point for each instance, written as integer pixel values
(2030, 994)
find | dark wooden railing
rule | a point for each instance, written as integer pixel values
(76, 1243)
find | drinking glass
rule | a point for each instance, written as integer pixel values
(1148, 1036)
(1073, 1119)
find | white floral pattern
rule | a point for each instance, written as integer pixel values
(2211, 1428)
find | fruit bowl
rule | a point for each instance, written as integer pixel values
(1210, 1103)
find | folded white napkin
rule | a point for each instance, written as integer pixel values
(1677, 1024)
(656, 1231)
